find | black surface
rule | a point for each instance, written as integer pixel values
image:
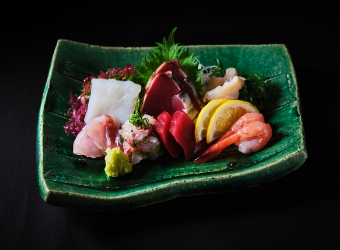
(297, 211)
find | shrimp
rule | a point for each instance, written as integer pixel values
(249, 132)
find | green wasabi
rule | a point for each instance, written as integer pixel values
(117, 163)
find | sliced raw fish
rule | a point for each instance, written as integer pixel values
(84, 145)
(183, 130)
(136, 158)
(229, 90)
(148, 145)
(132, 134)
(112, 97)
(215, 82)
(230, 73)
(97, 135)
(219, 81)
(131, 153)
(176, 68)
(158, 94)
(139, 143)
(183, 102)
(167, 140)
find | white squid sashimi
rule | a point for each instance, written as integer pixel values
(112, 97)
(229, 90)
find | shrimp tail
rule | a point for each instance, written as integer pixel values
(207, 155)
(217, 148)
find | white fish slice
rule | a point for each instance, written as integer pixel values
(112, 97)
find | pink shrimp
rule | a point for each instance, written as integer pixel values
(249, 132)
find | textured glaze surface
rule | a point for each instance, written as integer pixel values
(67, 180)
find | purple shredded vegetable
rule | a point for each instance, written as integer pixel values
(77, 114)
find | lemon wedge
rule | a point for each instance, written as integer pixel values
(225, 116)
(204, 117)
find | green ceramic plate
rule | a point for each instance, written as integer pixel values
(67, 180)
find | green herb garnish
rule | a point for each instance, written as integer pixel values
(137, 118)
(122, 78)
(168, 51)
(219, 71)
(156, 149)
(122, 138)
(86, 92)
(257, 91)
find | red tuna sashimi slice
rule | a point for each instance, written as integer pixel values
(183, 130)
(158, 94)
(168, 141)
(98, 135)
(181, 76)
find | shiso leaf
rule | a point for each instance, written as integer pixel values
(166, 51)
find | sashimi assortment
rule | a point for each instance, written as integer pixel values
(166, 106)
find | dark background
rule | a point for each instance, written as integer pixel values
(297, 211)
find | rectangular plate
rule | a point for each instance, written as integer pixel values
(67, 180)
